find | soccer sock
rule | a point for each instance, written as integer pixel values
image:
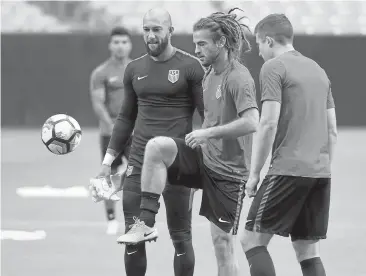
(109, 208)
(110, 214)
(184, 259)
(135, 260)
(149, 207)
(260, 262)
(312, 267)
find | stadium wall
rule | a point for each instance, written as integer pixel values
(47, 74)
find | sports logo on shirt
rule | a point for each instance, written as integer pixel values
(129, 170)
(113, 79)
(218, 92)
(173, 76)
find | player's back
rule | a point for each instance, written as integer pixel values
(301, 143)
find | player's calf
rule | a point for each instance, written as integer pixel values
(135, 260)
(255, 248)
(184, 258)
(227, 262)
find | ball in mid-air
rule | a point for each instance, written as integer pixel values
(61, 134)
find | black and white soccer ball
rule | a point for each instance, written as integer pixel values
(61, 134)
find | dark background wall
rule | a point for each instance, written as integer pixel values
(44, 75)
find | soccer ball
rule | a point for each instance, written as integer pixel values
(61, 134)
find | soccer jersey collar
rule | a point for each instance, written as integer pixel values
(162, 61)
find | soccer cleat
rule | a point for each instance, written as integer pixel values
(112, 227)
(102, 190)
(138, 233)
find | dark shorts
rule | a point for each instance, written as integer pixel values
(177, 204)
(104, 141)
(222, 196)
(290, 205)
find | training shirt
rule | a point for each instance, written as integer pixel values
(226, 96)
(160, 98)
(109, 76)
(304, 91)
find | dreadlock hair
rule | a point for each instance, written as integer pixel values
(227, 25)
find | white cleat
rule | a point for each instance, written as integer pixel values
(138, 233)
(112, 227)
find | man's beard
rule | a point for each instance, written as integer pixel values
(159, 49)
(212, 59)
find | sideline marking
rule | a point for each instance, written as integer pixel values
(18, 235)
(48, 191)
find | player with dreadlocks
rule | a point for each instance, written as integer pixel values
(214, 158)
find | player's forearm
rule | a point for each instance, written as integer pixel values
(202, 116)
(332, 141)
(102, 113)
(262, 146)
(240, 127)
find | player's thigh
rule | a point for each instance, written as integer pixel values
(312, 221)
(178, 212)
(277, 204)
(131, 199)
(222, 200)
(118, 161)
(186, 168)
(160, 149)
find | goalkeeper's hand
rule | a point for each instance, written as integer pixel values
(101, 187)
(118, 178)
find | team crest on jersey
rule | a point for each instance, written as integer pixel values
(218, 92)
(113, 79)
(173, 76)
(129, 170)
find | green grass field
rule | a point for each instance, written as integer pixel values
(76, 243)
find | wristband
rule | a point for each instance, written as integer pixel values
(108, 159)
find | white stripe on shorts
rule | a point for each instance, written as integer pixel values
(262, 205)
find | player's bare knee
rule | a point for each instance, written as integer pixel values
(161, 149)
(306, 249)
(249, 239)
(224, 247)
(246, 240)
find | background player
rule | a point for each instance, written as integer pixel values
(107, 90)
(214, 158)
(162, 89)
(298, 121)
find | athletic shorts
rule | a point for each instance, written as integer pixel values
(290, 205)
(177, 204)
(104, 141)
(222, 196)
